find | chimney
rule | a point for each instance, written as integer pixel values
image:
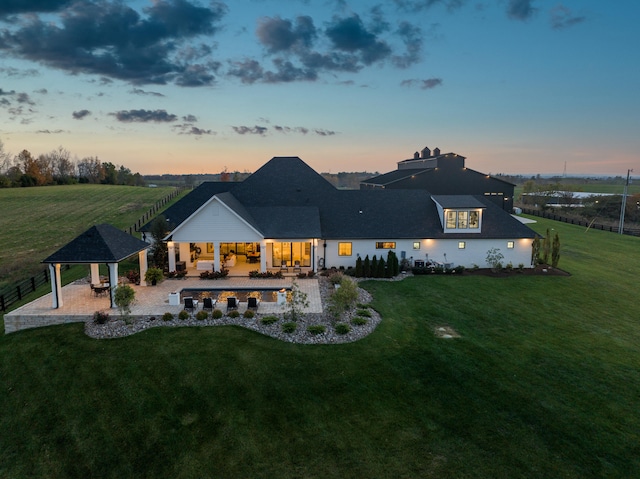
(426, 152)
(436, 152)
(416, 155)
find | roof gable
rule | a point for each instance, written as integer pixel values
(102, 243)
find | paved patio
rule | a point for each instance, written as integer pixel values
(80, 303)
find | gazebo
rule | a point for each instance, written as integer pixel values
(102, 243)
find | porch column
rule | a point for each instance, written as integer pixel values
(263, 256)
(95, 273)
(56, 288)
(216, 256)
(113, 282)
(142, 262)
(171, 247)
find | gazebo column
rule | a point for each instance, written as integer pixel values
(171, 249)
(263, 256)
(95, 273)
(56, 288)
(216, 256)
(113, 282)
(142, 262)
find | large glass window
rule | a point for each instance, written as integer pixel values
(385, 245)
(344, 249)
(463, 219)
(290, 252)
(474, 219)
(451, 219)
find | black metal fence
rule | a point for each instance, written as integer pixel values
(13, 293)
(633, 231)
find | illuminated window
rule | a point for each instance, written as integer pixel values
(463, 218)
(474, 219)
(344, 249)
(451, 219)
(510, 244)
(462, 244)
(385, 245)
(416, 245)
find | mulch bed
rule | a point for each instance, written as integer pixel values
(540, 270)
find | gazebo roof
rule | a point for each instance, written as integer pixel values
(99, 244)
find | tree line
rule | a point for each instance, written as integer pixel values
(58, 168)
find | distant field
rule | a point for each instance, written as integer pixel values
(35, 222)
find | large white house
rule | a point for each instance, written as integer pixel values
(286, 213)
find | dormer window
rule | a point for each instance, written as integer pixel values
(462, 219)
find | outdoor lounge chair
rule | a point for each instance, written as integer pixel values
(252, 303)
(189, 304)
(284, 267)
(296, 266)
(208, 304)
(232, 303)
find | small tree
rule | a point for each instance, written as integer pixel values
(555, 251)
(298, 302)
(494, 259)
(546, 247)
(159, 250)
(344, 297)
(381, 271)
(374, 267)
(359, 267)
(535, 250)
(393, 264)
(366, 267)
(124, 297)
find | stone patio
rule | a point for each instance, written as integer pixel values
(80, 303)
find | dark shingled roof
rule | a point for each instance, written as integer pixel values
(99, 244)
(288, 221)
(393, 176)
(458, 201)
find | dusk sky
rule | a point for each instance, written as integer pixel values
(186, 86)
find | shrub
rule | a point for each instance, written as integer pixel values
(233, 313)
(133, 276)
(267, 320)
(365, 313)
(316, 329)
(336, 278)
(216, 314)
(223, 273)
(459, 269)
(342, 328)
(509, 266)
(153, 275)
(359, 321)
(289, 327)
(100, 317)
(167, 316)
(183, 315)
(123, 298)
(494, 259)
(302, 275)
(311, 274)
(344, 297)
(266, 274)
(202, 315)
(248, 314)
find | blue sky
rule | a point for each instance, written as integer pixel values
(181, 86)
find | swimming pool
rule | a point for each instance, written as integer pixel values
(267, 295)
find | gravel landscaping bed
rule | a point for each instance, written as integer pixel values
(116, 327)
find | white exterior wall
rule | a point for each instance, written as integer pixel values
(474, 253)
(216, 223)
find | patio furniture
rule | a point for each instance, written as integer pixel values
(208, 304)
(190, 304)
(252, 303)
(296, 266)
(284, 267)
(232, 303)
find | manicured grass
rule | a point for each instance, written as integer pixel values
(35, 222)
(544, 382)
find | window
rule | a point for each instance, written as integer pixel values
(462, 244)
(474, 219)
(463, 219)
(509, 244)
(344, 249)
(416, 245)
(385, 245)
(451, 219)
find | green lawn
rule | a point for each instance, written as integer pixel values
(544, 382)
(35, 222)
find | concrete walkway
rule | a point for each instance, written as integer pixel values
(80, 303)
